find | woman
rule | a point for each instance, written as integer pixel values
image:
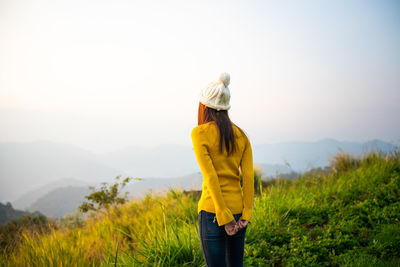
(221, 148)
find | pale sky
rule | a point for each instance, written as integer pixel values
(104, 75)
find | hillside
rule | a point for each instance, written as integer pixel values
(346, 217)
(60, 201)
(27, 199)
(7, 213)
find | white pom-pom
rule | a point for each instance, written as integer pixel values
(225, 78)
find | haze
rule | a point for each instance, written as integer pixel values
(105, 75)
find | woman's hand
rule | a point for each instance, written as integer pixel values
(242, 224)
(231, 228)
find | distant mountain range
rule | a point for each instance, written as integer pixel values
(34, 170)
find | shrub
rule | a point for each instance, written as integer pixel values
(105, 196)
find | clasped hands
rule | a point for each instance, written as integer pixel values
(233, 227)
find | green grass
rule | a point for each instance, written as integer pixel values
(348, 216)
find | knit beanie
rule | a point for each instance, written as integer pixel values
(216, 95)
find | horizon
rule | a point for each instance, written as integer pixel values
(393, 143)
(39, 163)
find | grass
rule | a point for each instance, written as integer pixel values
(348, 216)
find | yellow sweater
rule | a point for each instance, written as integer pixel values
(221, 190)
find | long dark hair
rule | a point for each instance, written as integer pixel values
(224, 123)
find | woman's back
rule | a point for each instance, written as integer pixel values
(222, 148)
(221, 190)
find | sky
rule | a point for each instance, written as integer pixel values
(105, 75)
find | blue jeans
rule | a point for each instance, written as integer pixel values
(219, 248)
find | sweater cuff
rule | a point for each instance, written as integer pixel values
(246, 215)
(224, 216)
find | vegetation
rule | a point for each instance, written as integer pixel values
(11, 234)
(105, 196)
(346, 215)
(7, 213)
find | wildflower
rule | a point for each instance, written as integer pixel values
(396, 220)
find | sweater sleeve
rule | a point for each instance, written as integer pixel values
(246, 165)
(223, 213)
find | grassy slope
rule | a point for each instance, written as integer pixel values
(348, 217)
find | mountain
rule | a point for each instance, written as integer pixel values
(7, 213)
(60, 201)
(24, 201)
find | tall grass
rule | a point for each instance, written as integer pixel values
(346, 217)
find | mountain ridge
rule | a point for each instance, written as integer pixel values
(26, 166)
